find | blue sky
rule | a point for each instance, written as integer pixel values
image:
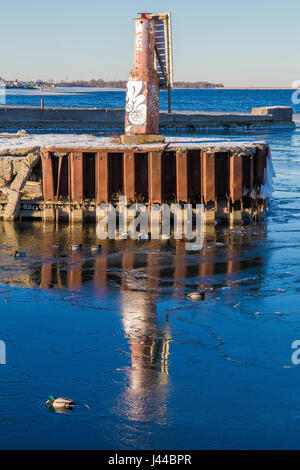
(239, 43)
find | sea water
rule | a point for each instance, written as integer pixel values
(117, 331)
(181, 99)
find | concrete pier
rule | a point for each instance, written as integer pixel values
(13, 118)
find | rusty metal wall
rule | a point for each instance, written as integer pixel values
(194, 176)
(89, 172)
(141, 176)
(169, 191)
(60, 170)
(222, 175)
(115, 172)
(183, 175)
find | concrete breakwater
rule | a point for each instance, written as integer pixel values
(57, 177)
(92, 119)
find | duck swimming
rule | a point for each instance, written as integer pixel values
(76, 247)
(196, 296)
(96, 249)
(60, 403)
(19, 254)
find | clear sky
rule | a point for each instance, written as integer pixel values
(238, 43)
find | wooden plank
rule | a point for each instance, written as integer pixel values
(129, 174)
(48, 179)
(208, 177)
(182, 175)
(236, 178)
(155, 177)
(76, 160)
(102, 177)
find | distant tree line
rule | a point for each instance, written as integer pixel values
(122, 84)
(197, 85)
(94, 83)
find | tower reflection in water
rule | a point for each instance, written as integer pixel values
(146, 391)
(139, 274)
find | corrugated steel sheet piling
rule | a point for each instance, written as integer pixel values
(72, 182)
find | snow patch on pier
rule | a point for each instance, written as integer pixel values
(13, 141)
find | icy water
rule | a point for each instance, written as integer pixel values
(149, 367)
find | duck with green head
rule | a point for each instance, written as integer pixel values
(60, 403)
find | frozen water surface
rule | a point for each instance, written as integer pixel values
(118, 331)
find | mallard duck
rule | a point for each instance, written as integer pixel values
(76, 247)
(196, 295)
(96, 249)
(19, 254)
(60, 403)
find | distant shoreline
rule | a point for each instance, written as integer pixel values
(238, 88)
(258, 88)
(89, 89)
(185, 88)
(121, 85)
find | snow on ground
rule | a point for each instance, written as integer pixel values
(11, 141)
